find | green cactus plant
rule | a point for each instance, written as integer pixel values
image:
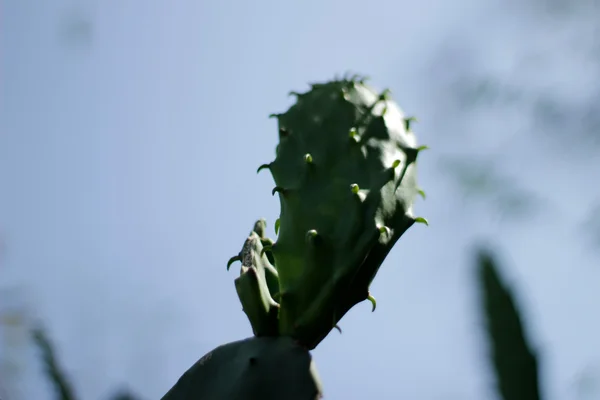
(345, 174)
(346, 178)
(256, 368)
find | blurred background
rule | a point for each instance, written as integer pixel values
(130, 133)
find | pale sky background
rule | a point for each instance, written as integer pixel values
(130, 133)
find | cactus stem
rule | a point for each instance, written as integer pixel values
(373, 301)
(232, 260)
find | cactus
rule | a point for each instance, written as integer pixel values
(267, 368)
(258, 282)
(345, 175)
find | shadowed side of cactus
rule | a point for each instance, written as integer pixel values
(265, 368)
(514, 361)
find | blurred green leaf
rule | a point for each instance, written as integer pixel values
(514, 361)
(56, 376)
(482, 179)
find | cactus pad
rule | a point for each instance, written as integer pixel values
(345, 174)
(255, 368)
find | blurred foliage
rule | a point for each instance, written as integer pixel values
(532, 78)
(478, 178)
(76, 29)
(57, 377)
(514, 361)
(512, 358)
(63, 389)
(592, 225)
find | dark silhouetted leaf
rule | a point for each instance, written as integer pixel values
(56, 376)
(515, 364)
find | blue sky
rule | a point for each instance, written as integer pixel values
(130, 133)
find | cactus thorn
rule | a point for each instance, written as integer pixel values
(264, 166)
(396, 163)
(422, 220)
(385, 230)
(293, 93)
(308, 158)
(354, 188)
(385, 95)
(373, 301)
(421, 148)
(232, 260)
(277, 224)
(338, 328)
(274, 115)
(407, 122)
(277, 189)
(422, 193)
(311, 234)
(283, 132)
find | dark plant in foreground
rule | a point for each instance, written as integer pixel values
(62, 387)
(515, 363)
